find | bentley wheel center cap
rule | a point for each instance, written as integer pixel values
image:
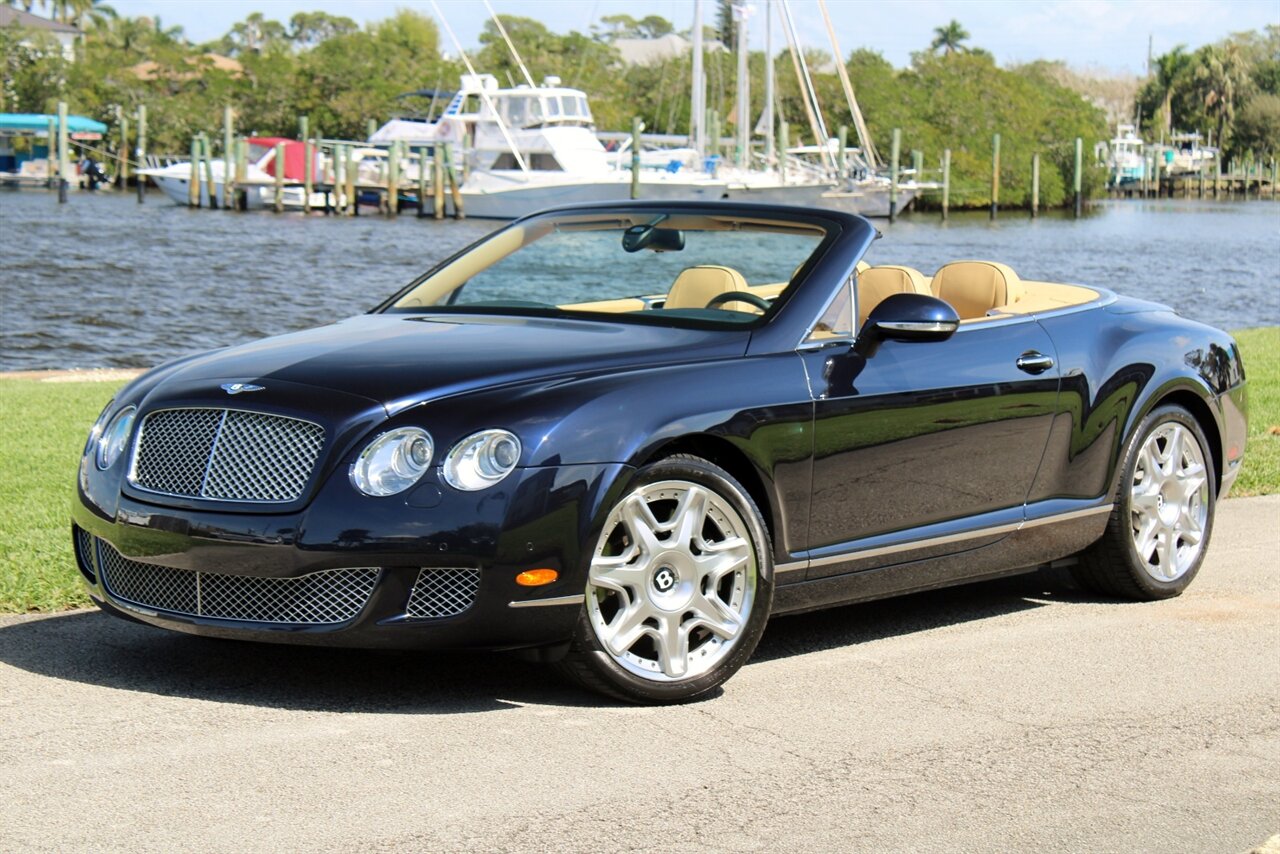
(664, 579)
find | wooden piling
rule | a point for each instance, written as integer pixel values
(422, 182)
(1201, 182)
(393, 179)
(843, 136)
(123, 151)
(1035, 185)
(714, 123)
(995, 175)
(241, 199)
(278, 163)
(637, 127)
(193, 179)
(211, 185)
(455, 187)
(1274, 174)
(1078, 174)
(339, 180)
(228, 160)
(437, 182)
(895, 150)
(64, 167)
(353, 182)
(308, 162)
(946, 182)
(141, 152)
(371, 126)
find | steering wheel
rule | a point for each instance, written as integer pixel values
(738, 296)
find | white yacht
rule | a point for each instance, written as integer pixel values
(1125, 157)
(532, 148)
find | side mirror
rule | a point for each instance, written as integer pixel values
(908, 317)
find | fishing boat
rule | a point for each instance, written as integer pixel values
(1125, 158)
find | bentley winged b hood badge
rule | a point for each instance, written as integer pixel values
(236, 388)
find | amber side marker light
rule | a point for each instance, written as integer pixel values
(536, 577)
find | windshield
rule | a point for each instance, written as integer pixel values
(636, 265)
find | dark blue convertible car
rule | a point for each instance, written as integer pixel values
(619, 437)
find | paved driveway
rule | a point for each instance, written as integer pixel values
(1006, 716)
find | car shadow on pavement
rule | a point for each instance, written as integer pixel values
(93, 648)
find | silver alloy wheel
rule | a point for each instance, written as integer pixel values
(1169, 499)
(672, 582)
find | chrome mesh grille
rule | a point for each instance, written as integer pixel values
(443, 593)
(226, 454)
(321, 598)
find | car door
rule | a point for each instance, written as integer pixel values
(926, 448)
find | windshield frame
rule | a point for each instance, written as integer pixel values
(751, 215)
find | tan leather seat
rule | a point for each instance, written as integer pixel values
(973, 288)
(877, 283)
(695, 286)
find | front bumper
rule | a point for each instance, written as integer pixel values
(539, 517)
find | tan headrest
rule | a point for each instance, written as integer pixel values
(877, 283)
(695, 286)
(975, 287)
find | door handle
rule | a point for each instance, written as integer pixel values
(1034, 363)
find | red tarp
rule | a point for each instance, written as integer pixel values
(295, 156)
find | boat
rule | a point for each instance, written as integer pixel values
(257, 182)
(528, 148)
(1186, 156)
(1125, 158)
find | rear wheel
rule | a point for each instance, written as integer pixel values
(1158, 532)
(679, 587)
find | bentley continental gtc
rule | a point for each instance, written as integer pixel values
(617, 438)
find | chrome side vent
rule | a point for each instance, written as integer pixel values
(443, 593)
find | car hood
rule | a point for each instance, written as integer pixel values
(401, 360)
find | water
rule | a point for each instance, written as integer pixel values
(105, 282)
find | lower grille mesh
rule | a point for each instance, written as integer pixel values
(321, 598)
(443, 593)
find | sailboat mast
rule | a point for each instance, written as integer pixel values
(859, 124)
(698, 96)
(770, 144)
(740, 13)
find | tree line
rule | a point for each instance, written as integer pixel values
(341, 75)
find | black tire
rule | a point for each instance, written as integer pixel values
(1113, 566)
(591, 665)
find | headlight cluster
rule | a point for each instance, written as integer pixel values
(397, 459)
(482, 459)
(393, 462)
(109, 438)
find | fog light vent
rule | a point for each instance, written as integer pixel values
(84, 554)
(443, 593)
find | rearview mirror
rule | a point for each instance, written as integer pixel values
(646, 236)
(909, 317)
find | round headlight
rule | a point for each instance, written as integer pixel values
(91, 444)
(482, 459)
(115, 438)
(393, 462)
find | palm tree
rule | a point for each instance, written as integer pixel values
(1218, 81)
(1169, 78)
(949, 37)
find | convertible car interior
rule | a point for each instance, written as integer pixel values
(977, 290)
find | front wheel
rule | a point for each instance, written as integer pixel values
(1158, 532)
(679, 587)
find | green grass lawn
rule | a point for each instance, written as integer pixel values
(43, 426)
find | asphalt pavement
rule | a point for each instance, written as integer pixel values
(1014, 715)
